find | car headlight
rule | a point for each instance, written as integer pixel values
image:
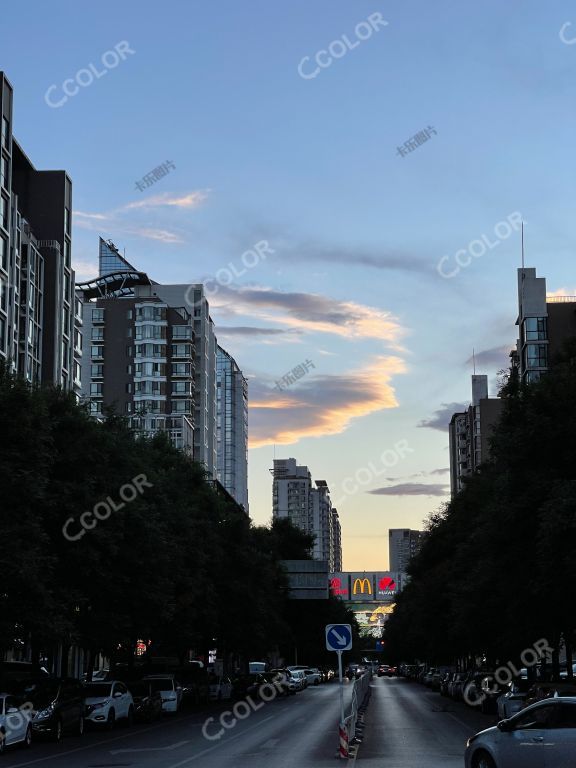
(44, 714)
(100, 704)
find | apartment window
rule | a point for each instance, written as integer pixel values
(3, 294)
(151, 313)
(97, 370)
(97, 315)
(181, 406)
(96, 388)
(96, 351)
(181, 388)
(130, 314)
(128, 407)
(98, 334)
(536, 328)
(181, 332)
(181, 350)
(2, 333)
(67, 220)
(5, 132)
(67, 262)
(3, 253)
(3, 211)
(536, 356)
(95, 407)
(151, 332)
(4, 172)
(181, 369)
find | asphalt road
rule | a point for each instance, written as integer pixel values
(408, 726)
(298, 731)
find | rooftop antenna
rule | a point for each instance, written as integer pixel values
(522, 245)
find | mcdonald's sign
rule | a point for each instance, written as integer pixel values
(362, 585)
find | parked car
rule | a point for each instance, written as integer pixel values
(247, 685)
(282, 680)
(512, 699)
(220, 688)
(15, 727)
(58, 706)
(456, 687)
(313, 676)
(445, 683)
(169, 689)
(299, 678)
(542, 735)
(147, 701)
(472, 689)
(108, 702)
(195, 683)
(383, 670)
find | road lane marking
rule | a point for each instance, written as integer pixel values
(221, 744)
(270, 744)
(150, 749)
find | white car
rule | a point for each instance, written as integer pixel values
(299, 678)
(169, 689)
(220, 689)
(313, 676)
(108, 702)
(15, 725)
(541, 736)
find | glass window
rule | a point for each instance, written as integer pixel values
(536, 328)
(181, 350)
(96, 388)
(3, 253)
(181, 332)
(5, 132)
(4, 172)
(98, 333)
(95, 407)
(566, 717)
(97, 315)
(536, 356)
(96, 351)
(97, 370)
(539, 717)
(3, 211)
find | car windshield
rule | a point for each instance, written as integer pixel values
(163, 684)
(98, 690)
(140, 689)
(44, 691)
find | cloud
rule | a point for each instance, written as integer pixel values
(321, 405)
(441, 418)
(496, 357)
(571, 292)
(249, 330)
(411, 489)
(377, 258)
(85, 270)
(125, 218)
(441, 471)
(312, 312)
(191, 200)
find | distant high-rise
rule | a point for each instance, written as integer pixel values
(232, 427)
(152, 356)
(470, 432)
(40, 319)
(544, 323)
(403, 544)
(308, 506)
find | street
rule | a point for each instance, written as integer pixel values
(298, 731)
(409, 726)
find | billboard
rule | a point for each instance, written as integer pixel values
(366, 586)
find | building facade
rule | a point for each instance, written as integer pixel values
(470, 432)
(40, 318)
(403, 544)
(152, 355)
(232, 427)
(308, 506)
(544, 325)
(336, 540)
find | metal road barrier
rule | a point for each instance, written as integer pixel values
(349, 730)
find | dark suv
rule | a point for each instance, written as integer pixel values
(58, 706)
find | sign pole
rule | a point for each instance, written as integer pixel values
(341, 686)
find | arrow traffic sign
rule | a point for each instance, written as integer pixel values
(339, 637)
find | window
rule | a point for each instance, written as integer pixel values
(181, 406)
(97, 370)
(181, 388)
(181, 369)
(151, 332)
(4, 172)
(67, 220)
(3, 253)
(96, 352)
(566, 717)
(3, 211)
(95, 407)
(96, 389)
(181, 350)
(98, 333)
(536, 328)
(536, 356)
(97, 315)
(539, 717)
(151, 313)
(181, 332)
(5, 132)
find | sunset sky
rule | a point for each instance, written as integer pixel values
(356, 229)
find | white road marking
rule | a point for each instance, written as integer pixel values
(270, 744)
(150, 749)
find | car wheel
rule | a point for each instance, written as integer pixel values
(58, 730)
(80, 727)
(2, 741)
(28, 738)
(483, 760)
(111, 722)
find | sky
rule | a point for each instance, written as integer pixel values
(332, 237)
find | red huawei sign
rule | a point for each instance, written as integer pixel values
(336, 587)
(387, 584)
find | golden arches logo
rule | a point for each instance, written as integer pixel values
(362, 584)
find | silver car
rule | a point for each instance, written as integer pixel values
(541, 736)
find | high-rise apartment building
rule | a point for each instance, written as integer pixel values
(336, 541)
(40, 322)
(152, 355)
(403, 544)
(232, 427)
(544, 323)
(308, 506)
(470, 432)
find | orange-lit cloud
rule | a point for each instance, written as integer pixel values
(323, 405)
(191, 200)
